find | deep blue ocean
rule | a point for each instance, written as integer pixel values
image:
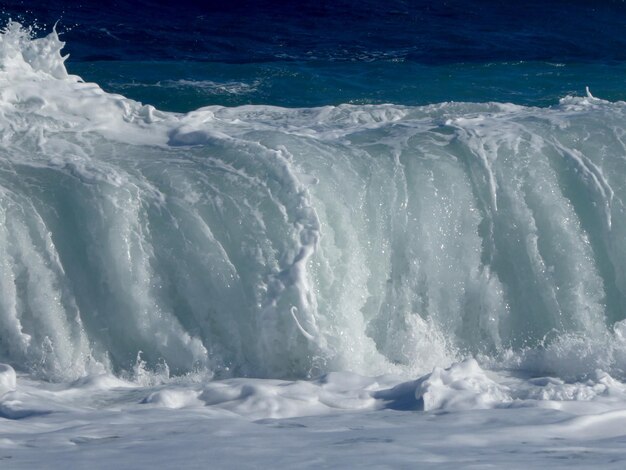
(182, 55)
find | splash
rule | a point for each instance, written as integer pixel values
(271, 242)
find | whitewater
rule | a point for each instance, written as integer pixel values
(255, 286)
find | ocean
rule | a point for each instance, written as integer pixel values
(312, 234)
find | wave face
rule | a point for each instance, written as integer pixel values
(272, 242)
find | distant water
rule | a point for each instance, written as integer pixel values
(180, 56)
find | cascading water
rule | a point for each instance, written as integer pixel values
(271, 242)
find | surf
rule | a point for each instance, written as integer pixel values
(260, 241)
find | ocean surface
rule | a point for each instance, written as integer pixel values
(313, 234)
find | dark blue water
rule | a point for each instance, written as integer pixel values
(182, 55)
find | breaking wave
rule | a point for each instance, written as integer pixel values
(272, 242)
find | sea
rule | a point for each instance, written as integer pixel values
(312, 234)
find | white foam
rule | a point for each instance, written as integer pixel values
(475, 416)
(8, 381)
(463, 386)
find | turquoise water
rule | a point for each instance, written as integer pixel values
(184, 86)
